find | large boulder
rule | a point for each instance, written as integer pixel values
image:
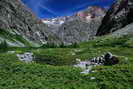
(118, 16)
(109, 59)
(106, 59)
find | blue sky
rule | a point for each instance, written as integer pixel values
(55, 8)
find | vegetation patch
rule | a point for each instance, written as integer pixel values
(43, 74)
(14, 38)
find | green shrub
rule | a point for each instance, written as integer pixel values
(3, 46)
(49, 45)
(62, 45)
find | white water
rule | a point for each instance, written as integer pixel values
(86, 66)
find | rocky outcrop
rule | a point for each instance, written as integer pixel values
(110, 59)
(106, 59)
(127, 30)
(26, 57)
(78, 30)
(15, 16)
(119, 15)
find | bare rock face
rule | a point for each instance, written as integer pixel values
(78, 30)
(92, 12)
(82, 26)
(118, 16)
(14, 15)
(127, 30)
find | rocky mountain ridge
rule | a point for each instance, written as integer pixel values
(15, 16)
(80, 27)
(118, 16)
(78, 30)
(88, 14)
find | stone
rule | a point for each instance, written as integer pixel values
(86, 66)
(110, 59)
(108, 56)
(26, 57)
(115, 60)
(107, 59)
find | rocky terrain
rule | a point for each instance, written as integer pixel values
(78, 30)
(118, 16)
(80, 27)
(124, 31)
(88, 14)
(15, 16)
(17, 19)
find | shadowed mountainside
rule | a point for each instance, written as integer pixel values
(15, 16)
(119, 15)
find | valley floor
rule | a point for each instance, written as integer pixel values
(54, 69)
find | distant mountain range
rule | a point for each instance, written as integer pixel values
(82, 26)
(88, 14)
(19, 22)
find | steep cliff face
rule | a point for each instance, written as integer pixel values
(78, 30)
(15, 16)
(119, 15)
(80, 27)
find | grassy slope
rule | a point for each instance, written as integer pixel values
(14, 39)
(17, 75)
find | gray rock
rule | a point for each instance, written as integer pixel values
(78, 30)
(127, 30)
(15, 16)
(108, 55)
(26, 57)
(107, 59)
(118, 16)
